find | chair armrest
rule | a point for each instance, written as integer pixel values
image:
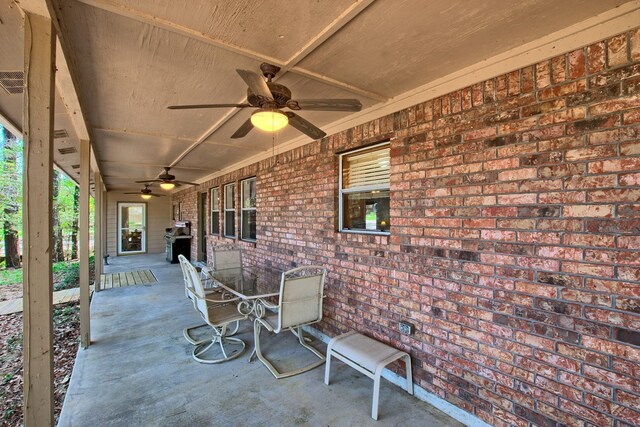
(218, 301)
(268, 305)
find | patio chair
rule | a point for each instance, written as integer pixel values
(190, 293)
(217, 311)
(299, 304)
(223, 256)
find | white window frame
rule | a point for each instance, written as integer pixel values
(232, 209)
(143, 229)
(243, 209)
(342, 192)
(215, 207)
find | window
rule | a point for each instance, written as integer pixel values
(229, 210)
(215, 211)
(364, 190)
(248, 214)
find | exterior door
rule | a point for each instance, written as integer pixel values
(132, 230)
(202, 233)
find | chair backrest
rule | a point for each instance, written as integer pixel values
(301, 294)
(197, 289)
(226, 256)
(185, 275)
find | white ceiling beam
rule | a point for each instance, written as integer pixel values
(154, 21)
(68, 95)
(217, 125)
(139, 164)
(338, 23)
(137, 133)
(145, 18)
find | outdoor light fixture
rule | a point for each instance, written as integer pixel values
(167, 185)
(146, 196)
(269, 119)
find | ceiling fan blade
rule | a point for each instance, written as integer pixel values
(304, 126)
(137, 192)
(256, 83)
(156, 195)
(184, 182)
(325, 104)
(147, 180)
(243, 130)
(189, 107)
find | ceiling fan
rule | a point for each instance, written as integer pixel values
(269, 98)
(146, 193)
(167, 181)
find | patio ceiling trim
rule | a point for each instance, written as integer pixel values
(589, 31)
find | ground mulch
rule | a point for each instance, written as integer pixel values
(66, 340)
(10, 292)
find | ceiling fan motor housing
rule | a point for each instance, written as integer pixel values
(166, 176)
(281, 95)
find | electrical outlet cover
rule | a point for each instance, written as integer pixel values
(405, 328)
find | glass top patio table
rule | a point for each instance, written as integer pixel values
(249, 282)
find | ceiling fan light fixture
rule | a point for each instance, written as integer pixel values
(146, 196)
(167, 185)
(269, 119)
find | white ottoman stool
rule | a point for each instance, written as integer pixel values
(368, 356)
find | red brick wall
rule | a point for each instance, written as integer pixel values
(514, 246)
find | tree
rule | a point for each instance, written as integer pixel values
(11, 196)
(74, 226)
(58, 247)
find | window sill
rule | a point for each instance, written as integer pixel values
(375, 233)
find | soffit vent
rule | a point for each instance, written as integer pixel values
(60, 133)
(12, 81)
(67, 150)
(75, 166)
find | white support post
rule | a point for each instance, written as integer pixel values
(85, 333)
(97, 231)
(104, 225)
(39, 66)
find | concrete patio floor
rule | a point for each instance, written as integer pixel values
(139, 371)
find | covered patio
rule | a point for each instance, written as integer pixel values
(140, 371)
(468, 173)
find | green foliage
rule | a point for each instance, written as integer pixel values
(10, 180)
(65, 314)
(11, 276)
(14, 342)
(66, 274)
(11, 168)
(10, 409)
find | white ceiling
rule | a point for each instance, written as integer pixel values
(131, 59)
